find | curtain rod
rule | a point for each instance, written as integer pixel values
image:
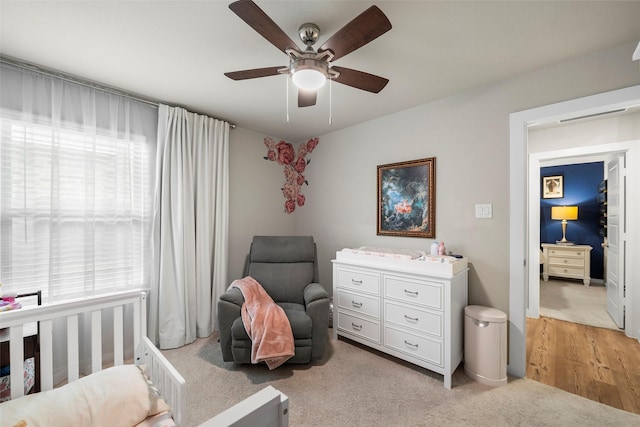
(87, 83)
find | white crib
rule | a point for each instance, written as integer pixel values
(163, 375)
(267, 407)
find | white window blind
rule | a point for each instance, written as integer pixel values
(75, 210)
(75, 186)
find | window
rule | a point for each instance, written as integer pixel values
(74, 209)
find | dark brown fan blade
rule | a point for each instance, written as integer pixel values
(367, 26)
(253, 74)
(250, 13)
(306, 98)
(360, 79)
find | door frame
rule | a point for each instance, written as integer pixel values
(536, 161)
(518, 214)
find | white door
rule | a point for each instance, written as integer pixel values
(616, 239)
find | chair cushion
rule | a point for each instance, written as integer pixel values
(300, 324)
(284, 282)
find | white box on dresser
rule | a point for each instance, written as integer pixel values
(410, 308)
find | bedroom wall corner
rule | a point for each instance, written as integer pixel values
(255, 198)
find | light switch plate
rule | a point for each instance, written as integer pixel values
(484, 210)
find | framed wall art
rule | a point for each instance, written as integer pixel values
(552, 187)
(407, 199)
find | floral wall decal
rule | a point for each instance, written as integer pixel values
(294, 166)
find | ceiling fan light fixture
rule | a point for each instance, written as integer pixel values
(309, 79)
(309, 74)
(310, 68)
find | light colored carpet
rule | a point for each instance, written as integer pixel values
(354, 386)
(574, 302)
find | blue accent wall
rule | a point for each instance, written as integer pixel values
(580, 189)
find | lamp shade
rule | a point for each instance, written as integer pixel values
(564, 212)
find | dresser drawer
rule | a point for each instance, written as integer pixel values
(565, 252)
(419, 347)
(408, 317)
(569, 262)
(360, 327)
(426, 293)
(358, 280)
(359, 303)
(566, 271)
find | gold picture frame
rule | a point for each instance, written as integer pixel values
(407, 199)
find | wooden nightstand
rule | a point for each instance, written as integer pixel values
(573, 262)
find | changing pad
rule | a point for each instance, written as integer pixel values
(386, 252)
(405, 259)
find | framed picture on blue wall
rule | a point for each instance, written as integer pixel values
(552, 187)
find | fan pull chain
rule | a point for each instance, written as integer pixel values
(287, 83)
(330, 100)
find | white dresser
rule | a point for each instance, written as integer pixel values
(411, 309)
(573, 262)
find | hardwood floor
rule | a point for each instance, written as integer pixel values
(596, 363)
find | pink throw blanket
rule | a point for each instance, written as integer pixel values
(266, 324)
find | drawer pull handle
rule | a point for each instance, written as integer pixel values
(413, 319)
(410, 344)
(415, 294)
(356, 282)
(356, 304)
(356, 327)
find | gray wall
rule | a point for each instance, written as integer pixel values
(467, 133)
(255, 199)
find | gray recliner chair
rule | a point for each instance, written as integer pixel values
(287, 268)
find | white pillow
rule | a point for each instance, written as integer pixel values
(117, 396)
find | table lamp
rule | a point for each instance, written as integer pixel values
(564, 213)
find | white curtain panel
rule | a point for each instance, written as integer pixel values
(190, 230)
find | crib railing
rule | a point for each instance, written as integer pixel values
(70, 312)
(165, 378)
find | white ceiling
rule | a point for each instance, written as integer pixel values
(177, 51)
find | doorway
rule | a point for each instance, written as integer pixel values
(547, 333)
(521, 255)
(563, 294)
(602, 152)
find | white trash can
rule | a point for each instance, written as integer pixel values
(485, 345)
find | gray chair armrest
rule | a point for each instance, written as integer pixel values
(234, 296)
(316, 300)
(313, 292)
(229, 309)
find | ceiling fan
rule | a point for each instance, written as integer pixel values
(309, 69)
